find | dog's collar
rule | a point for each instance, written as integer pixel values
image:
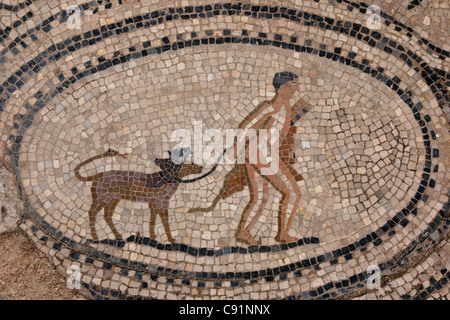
(170, 179)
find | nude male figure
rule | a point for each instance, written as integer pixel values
(285, 179)
(238, 178)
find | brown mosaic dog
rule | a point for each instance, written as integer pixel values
(156, 189)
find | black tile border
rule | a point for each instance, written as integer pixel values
(16, 7)
(434, 286)
(346, 286)
(62, 16)
(400, 218)
(414, 3)
(206, 252)
(361, 6)
(345, 251)
(432, 76)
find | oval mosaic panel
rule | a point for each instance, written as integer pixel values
(89, 117)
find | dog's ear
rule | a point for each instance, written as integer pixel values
(170, 153)
(111, 152)
(157, 161)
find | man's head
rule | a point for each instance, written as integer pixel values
(285, 84)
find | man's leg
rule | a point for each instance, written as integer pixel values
(242, 234)
(295, 194)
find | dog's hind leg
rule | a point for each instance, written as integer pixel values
(109, 210)
(93, 211)
(234, 182)
(164, 214)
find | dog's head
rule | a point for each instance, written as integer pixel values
(169, 168)
(166, 165)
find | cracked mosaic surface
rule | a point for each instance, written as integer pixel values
(368, 135)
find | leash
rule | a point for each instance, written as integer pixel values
(179, 180)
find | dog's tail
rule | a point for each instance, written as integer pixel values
(109, 153)
(207, 209)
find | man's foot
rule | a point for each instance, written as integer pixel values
(245, 237)
(283, 237)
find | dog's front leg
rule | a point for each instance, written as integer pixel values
(152, 221)
(164, 214)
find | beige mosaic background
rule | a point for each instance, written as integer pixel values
(350, 152)
(359, 148)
